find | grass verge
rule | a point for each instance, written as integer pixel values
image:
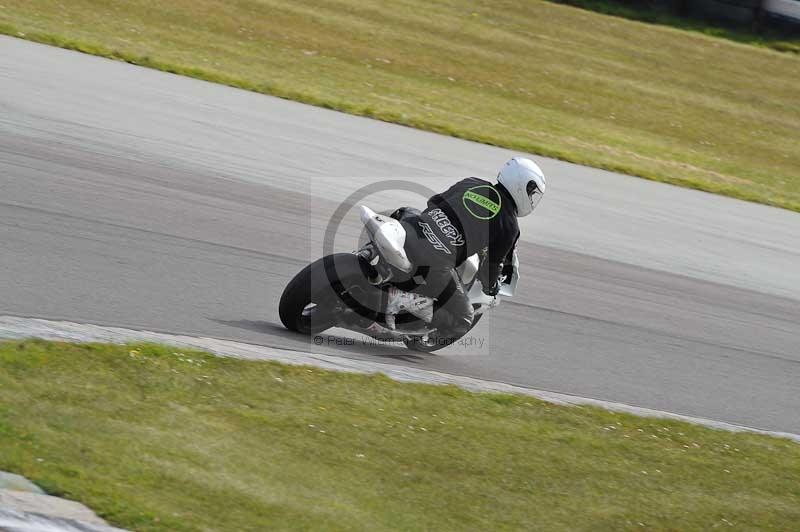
(156, 439)
(656, 102)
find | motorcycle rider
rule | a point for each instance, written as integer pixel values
(473, 216)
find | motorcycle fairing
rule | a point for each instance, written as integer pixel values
(389, 236)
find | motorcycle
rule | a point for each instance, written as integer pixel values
(362, 292)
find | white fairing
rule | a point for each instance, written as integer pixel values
(469, 269)
(507, 289)
(509, 286)
(389, 236)
(477, 297)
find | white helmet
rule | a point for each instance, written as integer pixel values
(524, 180)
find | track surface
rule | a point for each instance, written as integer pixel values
(135, 198)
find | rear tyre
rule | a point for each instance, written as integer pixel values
(312, 301)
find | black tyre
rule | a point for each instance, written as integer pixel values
(312, 301)
(434, 343)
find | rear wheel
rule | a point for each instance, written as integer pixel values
(313, 301)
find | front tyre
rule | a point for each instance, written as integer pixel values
(312, 301)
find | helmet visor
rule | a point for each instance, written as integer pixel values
(535, 194)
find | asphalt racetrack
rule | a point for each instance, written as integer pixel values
(140, 199)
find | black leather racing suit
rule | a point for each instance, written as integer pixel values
(473, 216)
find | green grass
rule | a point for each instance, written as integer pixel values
(157, 439)
(657, 102)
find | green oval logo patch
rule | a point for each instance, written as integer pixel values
(483, 202)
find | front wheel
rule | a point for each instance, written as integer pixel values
(312, 302)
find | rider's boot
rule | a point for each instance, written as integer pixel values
(415, 304)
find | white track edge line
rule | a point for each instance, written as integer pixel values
(12, 327)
